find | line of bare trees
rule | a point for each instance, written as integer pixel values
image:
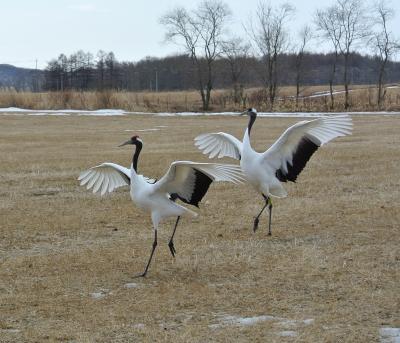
(81, 71)
(345, 24)
(266, 56)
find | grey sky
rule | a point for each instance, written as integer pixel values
(42, 29)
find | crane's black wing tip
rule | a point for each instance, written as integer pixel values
(201, 184)
(301, 156)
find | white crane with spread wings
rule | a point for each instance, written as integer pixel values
(283, 161)
(184, 180)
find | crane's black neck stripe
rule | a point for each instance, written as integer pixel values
(135, 158)
(304, 151)
(252, 119)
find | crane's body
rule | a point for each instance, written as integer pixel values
(283, 161)
(159, 205)
(259, 174)
(185, 180)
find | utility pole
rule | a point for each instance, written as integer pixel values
(156, 80)
(35, 78)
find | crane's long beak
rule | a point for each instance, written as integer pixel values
(125, 143)
(243, 113)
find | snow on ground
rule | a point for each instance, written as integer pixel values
(326, 93)
(143, 130)
(245, 321)
(98, 295)
(287, 333)
(65, 112)
(116, 112)
(226, 320)
(390, 335)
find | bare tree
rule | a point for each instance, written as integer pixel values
(270, 37)
(201, 33)
(305, 37)
(236, 53)
(101, 66)
(110, 63)
(384, 44)
(351, 18)
(328, 25)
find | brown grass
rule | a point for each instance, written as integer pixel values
(333, 257)
(362, 98)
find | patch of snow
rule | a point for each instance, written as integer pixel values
(244, 321)
(390, 335)
(13, 109)
(286, 323)
(48, 114)
(308, 321)
(287, 333)
(391, 87)
(131, 285)
(142, 130)
(97, 295)
(117, 112)
(139, 326)
(292, 322)
(253, 320)
(11, 330)
(276, 114)
(326, 93)
(102, 112)
(101, 294)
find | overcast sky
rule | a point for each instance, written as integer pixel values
(42, 29)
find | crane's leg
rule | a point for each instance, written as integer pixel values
(171, 241)
(257, 218)
(151, 255)
(270, 216)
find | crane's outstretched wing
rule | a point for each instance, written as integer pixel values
(219, 143)
(105, 177)
(290, 153)
(189, 181)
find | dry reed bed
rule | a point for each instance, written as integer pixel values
(363, 98)
(66, 255)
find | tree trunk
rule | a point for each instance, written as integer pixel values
(332, 79)
(346, 82)
(381, 94)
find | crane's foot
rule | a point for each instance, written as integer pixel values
(172, 248)
(255, 226)
(140, 275)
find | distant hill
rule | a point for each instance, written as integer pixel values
(20, 78)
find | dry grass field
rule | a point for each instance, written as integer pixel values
(362, 98)
(329, 273)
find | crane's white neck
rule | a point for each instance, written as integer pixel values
(246, 139)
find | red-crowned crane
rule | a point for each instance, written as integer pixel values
(283, 161)
(184, 180)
